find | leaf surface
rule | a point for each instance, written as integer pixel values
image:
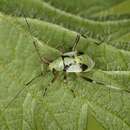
(65, 106)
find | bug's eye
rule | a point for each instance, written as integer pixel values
(83, 67)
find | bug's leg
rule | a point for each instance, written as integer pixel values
(29, 82)
(71, 90)
(63, 62)
(65, 80)
(60, 48)
(65, 74)
(42, 60)
(65, 77)
(74, 95)
(91, 80)
(83, 36)
(20, 91)
(55, 73)
(45, 91)
(100, 83)
(76, 42)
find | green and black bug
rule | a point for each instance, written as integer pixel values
(68, 62)
(73, 61)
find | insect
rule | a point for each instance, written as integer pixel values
(68, 62)
(73, 61)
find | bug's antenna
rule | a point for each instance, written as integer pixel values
(28, 25)
(76, 42)
(20, 91)
(34, 41)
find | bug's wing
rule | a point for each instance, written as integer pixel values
(74, 68)
(87, 61)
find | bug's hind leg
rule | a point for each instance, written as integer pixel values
(29, 82)
(65, 77)
(73, 92)
(45, 91)
(55, 73)
(91, 80)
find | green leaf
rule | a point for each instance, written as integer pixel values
(77, 104)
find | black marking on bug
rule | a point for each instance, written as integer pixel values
(91, 80)
(64, 56)
(87, 79)
(63, 60)
(66, 67)
(80, 53)
(83, 67)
